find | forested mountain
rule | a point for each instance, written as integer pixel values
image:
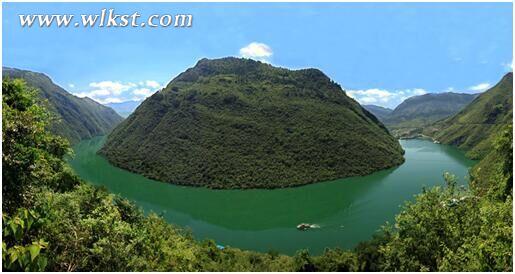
(239, 123)
(124, 108)
(474, 128)
(380, 112)
(75, 118)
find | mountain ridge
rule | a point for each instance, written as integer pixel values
(429, 107)
(380, 112)
(78, 118)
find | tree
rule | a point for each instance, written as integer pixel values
(31, 156)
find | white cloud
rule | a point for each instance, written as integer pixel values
(71, 85)
(384, 97)
(257, 51)
(152, 84)
(109, 100)
(480, 87)
(368, 100)
(141, 93)
(417, 91)
(370, 95)
(110, 87)
(106, 92)
(94, 93)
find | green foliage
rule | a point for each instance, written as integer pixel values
(72, 117)
(336, 260)
(493, 175)
(333, 260)
(491, 248)
(19, 251)
(370, 259)
(451, 229)
(438, 220)
(31, 156)
(237, 123)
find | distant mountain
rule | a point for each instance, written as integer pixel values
(380, 112)
(124, 108)
(78, 118)
(474, 128)
(425, 109)
(239, 123)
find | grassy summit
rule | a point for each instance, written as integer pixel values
(238, 123)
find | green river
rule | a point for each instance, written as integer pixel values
(347, 210)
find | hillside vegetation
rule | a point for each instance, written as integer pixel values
(239, 123)
(474, 128)
(73, 118)
(53, 221)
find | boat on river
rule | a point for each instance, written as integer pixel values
(305, 226)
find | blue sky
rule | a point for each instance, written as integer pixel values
(380, 53)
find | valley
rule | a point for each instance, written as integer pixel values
(348, 217)
(348, 210)
(265, 137)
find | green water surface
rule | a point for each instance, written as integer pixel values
(348, 210)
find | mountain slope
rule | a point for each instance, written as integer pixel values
(78, 118)
(380, 112)
(474, 128)
(425, 109)
(238, 123)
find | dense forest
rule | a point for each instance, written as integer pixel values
(240, 123)
(72, 117)
(53, 221)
